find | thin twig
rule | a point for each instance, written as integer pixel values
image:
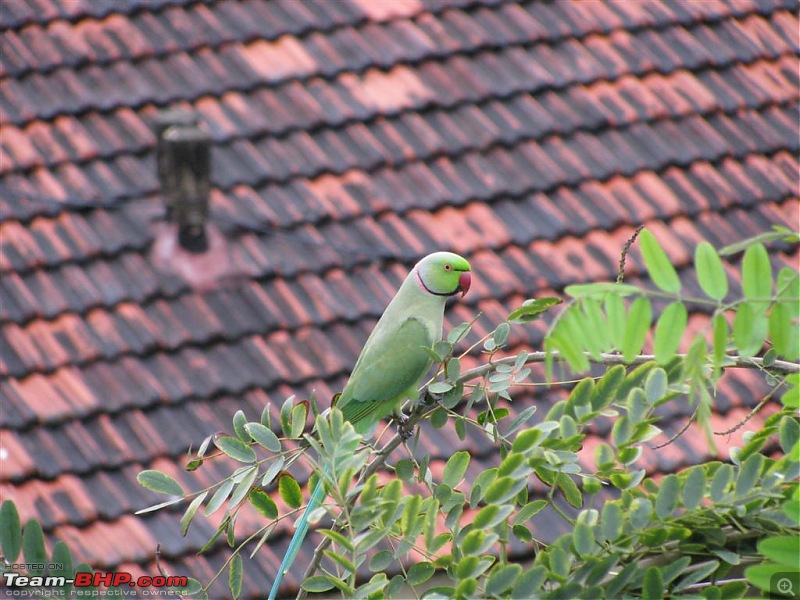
(625, 249)
(779, 366)
(680, 432)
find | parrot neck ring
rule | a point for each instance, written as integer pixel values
(464, 281)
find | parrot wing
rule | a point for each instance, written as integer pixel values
(388, 368)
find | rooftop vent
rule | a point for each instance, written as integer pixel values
(184, 164)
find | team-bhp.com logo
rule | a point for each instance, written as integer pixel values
(83, 580)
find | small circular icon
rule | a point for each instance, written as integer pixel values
(785, 585)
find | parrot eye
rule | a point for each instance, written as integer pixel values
(447, 267)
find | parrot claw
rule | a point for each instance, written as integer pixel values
(403, 427)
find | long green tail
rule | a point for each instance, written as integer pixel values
(297, 539)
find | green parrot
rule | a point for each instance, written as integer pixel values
(393, 361)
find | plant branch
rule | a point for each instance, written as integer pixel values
(416, 415)
(779, 366)
(422, 409)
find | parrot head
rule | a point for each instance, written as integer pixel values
(443, 274)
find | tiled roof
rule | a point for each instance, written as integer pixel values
(350, 138)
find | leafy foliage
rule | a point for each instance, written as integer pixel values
(716, 529)
(25, 545)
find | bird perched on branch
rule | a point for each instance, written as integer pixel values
(393, 361)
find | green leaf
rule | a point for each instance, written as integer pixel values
(710, 272)
(473, 542)
(583, 539)
(782, 549)
(372, 587)
(457, 333)
(339, 538)
(266, 419)
(299, 415)
(764, 577)
(33, 547)
(239, 421)
(653, 586)
(263, 503)
(675, 568)
(757, 274)
(235, 448)
(532, 309)
(236, 576)
(10, 531)
(732, 558)
(381, 561)
(604, 288)
(788, 433)
(570, 489)
(669, 331)
(526, 440)
(658, 264)
(563, 338)
(529, 510)
(749, 473)
(501, 579)
(594, 334)
(521, 419)
(286, 416)
(404, 469)
(700, 572)
(621, 431)
(500, 335)
(749, 329)
(781, 331)
(720, 482)
(187, 517)
(263, 436)
(290, 491)
(455, 468)
(420, 573)
(636, 327)
(243, 486)
(618, 583)
(453, 370)
(641, 513)
(611, 521)
(158, 506)
(499, 490)
(667, 497)
(431, 521)
(341, 560)
(615, 316)
(733, 589)
(529, 582)
(440, 387)
(694, 488)
(159, 482)
(655, 386)
(720, 342)
(61, 564)
(318, 584)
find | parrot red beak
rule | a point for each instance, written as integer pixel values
(464, 281)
